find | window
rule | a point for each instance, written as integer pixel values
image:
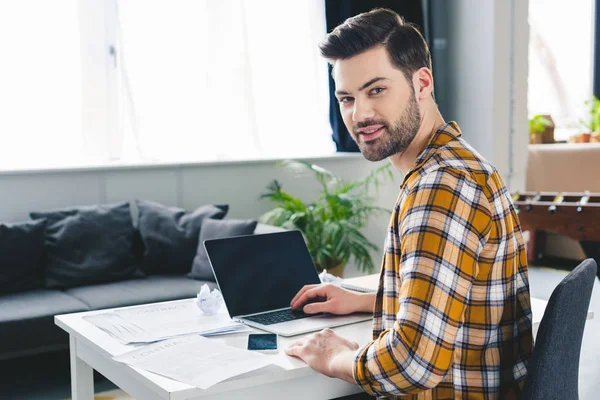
(40, 83)
(561, 62)
(172, 80)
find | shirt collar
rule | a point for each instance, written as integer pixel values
(440, 137)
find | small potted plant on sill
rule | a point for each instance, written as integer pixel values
(538, 126)
(331, 224)
(592, 124)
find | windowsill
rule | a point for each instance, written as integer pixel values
(563, 145)
(120, 165)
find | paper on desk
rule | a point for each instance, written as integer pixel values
(326, 277)
(194, 360)
(155, 322)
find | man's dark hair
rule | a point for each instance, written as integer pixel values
(404, 43)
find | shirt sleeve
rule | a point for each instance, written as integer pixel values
(443, 225)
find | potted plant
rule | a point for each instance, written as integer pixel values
(592, 124)
(538, 125)
(331, 223)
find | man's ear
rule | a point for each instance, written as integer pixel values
(423, 83)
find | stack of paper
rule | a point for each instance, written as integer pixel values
(195, 360)
(155, 322)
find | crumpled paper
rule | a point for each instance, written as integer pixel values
(328, 278)
(209, 302)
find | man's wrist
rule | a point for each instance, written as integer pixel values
(367, 302)
(342, 365)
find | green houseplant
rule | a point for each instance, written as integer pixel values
(592, 122)
(331, 223)
(537, 127)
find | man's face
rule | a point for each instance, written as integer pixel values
(377, 103)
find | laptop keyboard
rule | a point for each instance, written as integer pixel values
(277, 317)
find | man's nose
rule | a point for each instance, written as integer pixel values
(362, 111)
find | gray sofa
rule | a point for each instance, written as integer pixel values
(27, 318)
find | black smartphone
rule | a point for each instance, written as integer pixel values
(263, 342)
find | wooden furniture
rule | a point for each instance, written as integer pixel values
(567, 167)
(574, 214)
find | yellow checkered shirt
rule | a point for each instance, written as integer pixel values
(452, 317)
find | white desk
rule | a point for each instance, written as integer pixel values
(92, 349)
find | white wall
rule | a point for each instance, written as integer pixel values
(487, 46)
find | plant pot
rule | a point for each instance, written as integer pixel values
(548, 134)
(536, 137)
(584, 137)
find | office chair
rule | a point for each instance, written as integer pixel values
(553, 369)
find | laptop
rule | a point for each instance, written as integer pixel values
(259, 275)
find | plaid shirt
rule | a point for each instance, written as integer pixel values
(452, 317)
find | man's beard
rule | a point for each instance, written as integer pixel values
(398, 135)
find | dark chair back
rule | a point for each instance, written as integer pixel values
(553, 369)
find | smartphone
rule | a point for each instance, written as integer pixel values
(263, 342)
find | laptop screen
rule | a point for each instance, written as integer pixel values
(260, 272)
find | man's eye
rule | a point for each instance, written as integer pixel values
(345, 100)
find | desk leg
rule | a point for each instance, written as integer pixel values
(82, 375)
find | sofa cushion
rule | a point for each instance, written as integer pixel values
(89, 244)
(170, 235)
(21, 256)
(216, 229)
(27, 319)
(151, 289)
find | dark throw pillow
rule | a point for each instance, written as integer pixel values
(22, 256)
(170, 235)
(216, 229)
(89, 244)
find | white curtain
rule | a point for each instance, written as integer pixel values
(40, 84)
(226, 79)
(561, 62)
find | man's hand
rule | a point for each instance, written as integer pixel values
(332, 299)
(327, 353)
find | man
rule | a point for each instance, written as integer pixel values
(452, 316)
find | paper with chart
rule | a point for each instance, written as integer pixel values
(194, 360)
(155, 322)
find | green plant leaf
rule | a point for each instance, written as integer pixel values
(538, 124)
(324, 176)
(277, 217)
(591, 121)
(276, 194)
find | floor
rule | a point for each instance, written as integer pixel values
(47, 377)
(41, 377)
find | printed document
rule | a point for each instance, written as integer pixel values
(156, 322)
(194, 360)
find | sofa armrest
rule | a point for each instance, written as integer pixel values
(265, 228)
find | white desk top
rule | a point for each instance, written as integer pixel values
(96, 342)
(92, 338)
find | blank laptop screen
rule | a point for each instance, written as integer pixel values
(260, 272)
